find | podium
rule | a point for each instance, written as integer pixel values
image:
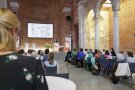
(56, 47)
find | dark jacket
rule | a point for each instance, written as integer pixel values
(19, 72)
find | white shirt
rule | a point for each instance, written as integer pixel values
(131, 59)
(120, 57)
(50, 65)
(123, 70)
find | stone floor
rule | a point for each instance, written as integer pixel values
(84, 80)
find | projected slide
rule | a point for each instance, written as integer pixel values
(36, 30)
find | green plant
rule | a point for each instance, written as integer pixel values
(47, 45)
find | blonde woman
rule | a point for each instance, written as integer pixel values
(51, 62)
(17, 72)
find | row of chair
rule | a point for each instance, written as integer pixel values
(108, 67)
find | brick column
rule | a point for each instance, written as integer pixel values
(81, 23)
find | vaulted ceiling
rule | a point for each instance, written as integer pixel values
(89, 3)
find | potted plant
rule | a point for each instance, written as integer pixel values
(47, 45)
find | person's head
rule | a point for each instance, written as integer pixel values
(103, 50)
(42, 53)
(130, 54)
(21, 51)
(81, 49)
(88, 51)
(74, 49)
(121, 52)
(46, 51)
(107, 52)
(96, 51)
(39, 52)
(112, 49)
(29, 50)
(51, 57)
(8, 29)
(34, 54)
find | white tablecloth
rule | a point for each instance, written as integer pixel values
(58, 83)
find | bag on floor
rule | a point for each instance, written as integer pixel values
(115, 79)
(95, 71)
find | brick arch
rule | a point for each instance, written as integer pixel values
(87, 10)
(100, 3)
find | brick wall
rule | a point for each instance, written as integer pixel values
(44, 11)
(39, 12)
(126, 26)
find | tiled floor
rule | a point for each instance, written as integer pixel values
(84, 80)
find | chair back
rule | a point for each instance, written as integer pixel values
(102, 60)
(123, 61)
(88, 59)
(132, 67)
(63, 75)
(51, 70)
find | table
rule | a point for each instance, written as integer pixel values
(58, 83)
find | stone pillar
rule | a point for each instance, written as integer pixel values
(116, 8)
(3, 3)
(116, 31)
(81, 23)
(97, 27)
(97, 33)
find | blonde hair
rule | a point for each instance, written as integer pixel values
(8, 21)
(51, 57)
(34, 54)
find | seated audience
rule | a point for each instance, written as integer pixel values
(107, 54)
(113, 52)
(29, 52)
(88, 54)
(80, 57)
(103, 52)
(97, 54)
(130, 57)
(68, 56)
(88, 57)
(121, 56)
(45, 57)
(73, 57)
(74, 54)
(34, 54)
(40, 54)
(21, 51)
(80, 54)
(17, 72)
(51, 62)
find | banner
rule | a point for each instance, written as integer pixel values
(68, 42)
